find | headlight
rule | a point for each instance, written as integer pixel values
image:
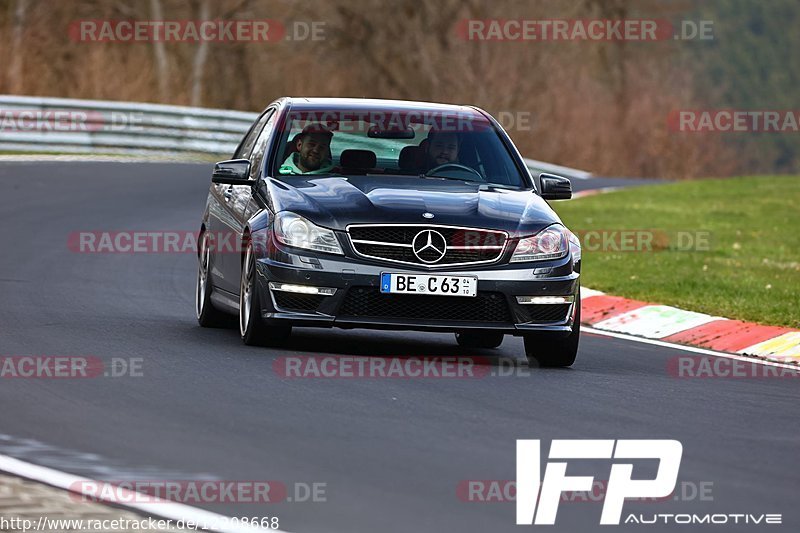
(550, 243)
(574, 247)
(294, 230)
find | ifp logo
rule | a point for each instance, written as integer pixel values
(620, 485)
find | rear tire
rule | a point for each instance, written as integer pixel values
(479, 339)
(548, 351)
(251, 326)
(208, 316)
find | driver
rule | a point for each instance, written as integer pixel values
(313, 152)
(442, 148)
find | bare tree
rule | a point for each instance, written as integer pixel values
(202, 50)
(17, 53)
(200, 57)
(160, 52)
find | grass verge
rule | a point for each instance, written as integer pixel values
(749, 269)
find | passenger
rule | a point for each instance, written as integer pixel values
(313, 147)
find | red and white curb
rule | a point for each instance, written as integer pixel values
(673, 325)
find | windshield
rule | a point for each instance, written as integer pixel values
(441, 145)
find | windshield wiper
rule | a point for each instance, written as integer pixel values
(498, 186)
(439, 177)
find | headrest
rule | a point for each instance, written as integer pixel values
(410, 158)
(358, 159)
(291, 146)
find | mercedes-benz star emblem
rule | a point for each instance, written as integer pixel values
(429, 246)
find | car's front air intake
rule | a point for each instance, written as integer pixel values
(370, 302)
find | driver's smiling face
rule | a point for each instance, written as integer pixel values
(313, 149)
(443, 148)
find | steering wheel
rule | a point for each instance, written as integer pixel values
(456, 166)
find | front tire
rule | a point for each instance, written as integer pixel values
(556, 352)
(251, 327)
(208, 316)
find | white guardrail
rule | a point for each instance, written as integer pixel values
(65, 125)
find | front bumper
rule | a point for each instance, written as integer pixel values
(358, 303)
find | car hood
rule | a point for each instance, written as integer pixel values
(337, 201)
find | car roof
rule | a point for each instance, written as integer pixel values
(356, 104)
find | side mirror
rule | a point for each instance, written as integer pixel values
(555, 187)
(233, 172)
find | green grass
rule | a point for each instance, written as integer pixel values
(751, 271)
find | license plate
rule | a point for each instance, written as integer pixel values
(429, 284)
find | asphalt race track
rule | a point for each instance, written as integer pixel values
(390, 452)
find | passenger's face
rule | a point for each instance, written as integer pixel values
(443, 148)
(313, 149)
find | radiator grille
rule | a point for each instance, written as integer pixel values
(396, 243)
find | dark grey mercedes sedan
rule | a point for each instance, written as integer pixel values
(358, 213)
